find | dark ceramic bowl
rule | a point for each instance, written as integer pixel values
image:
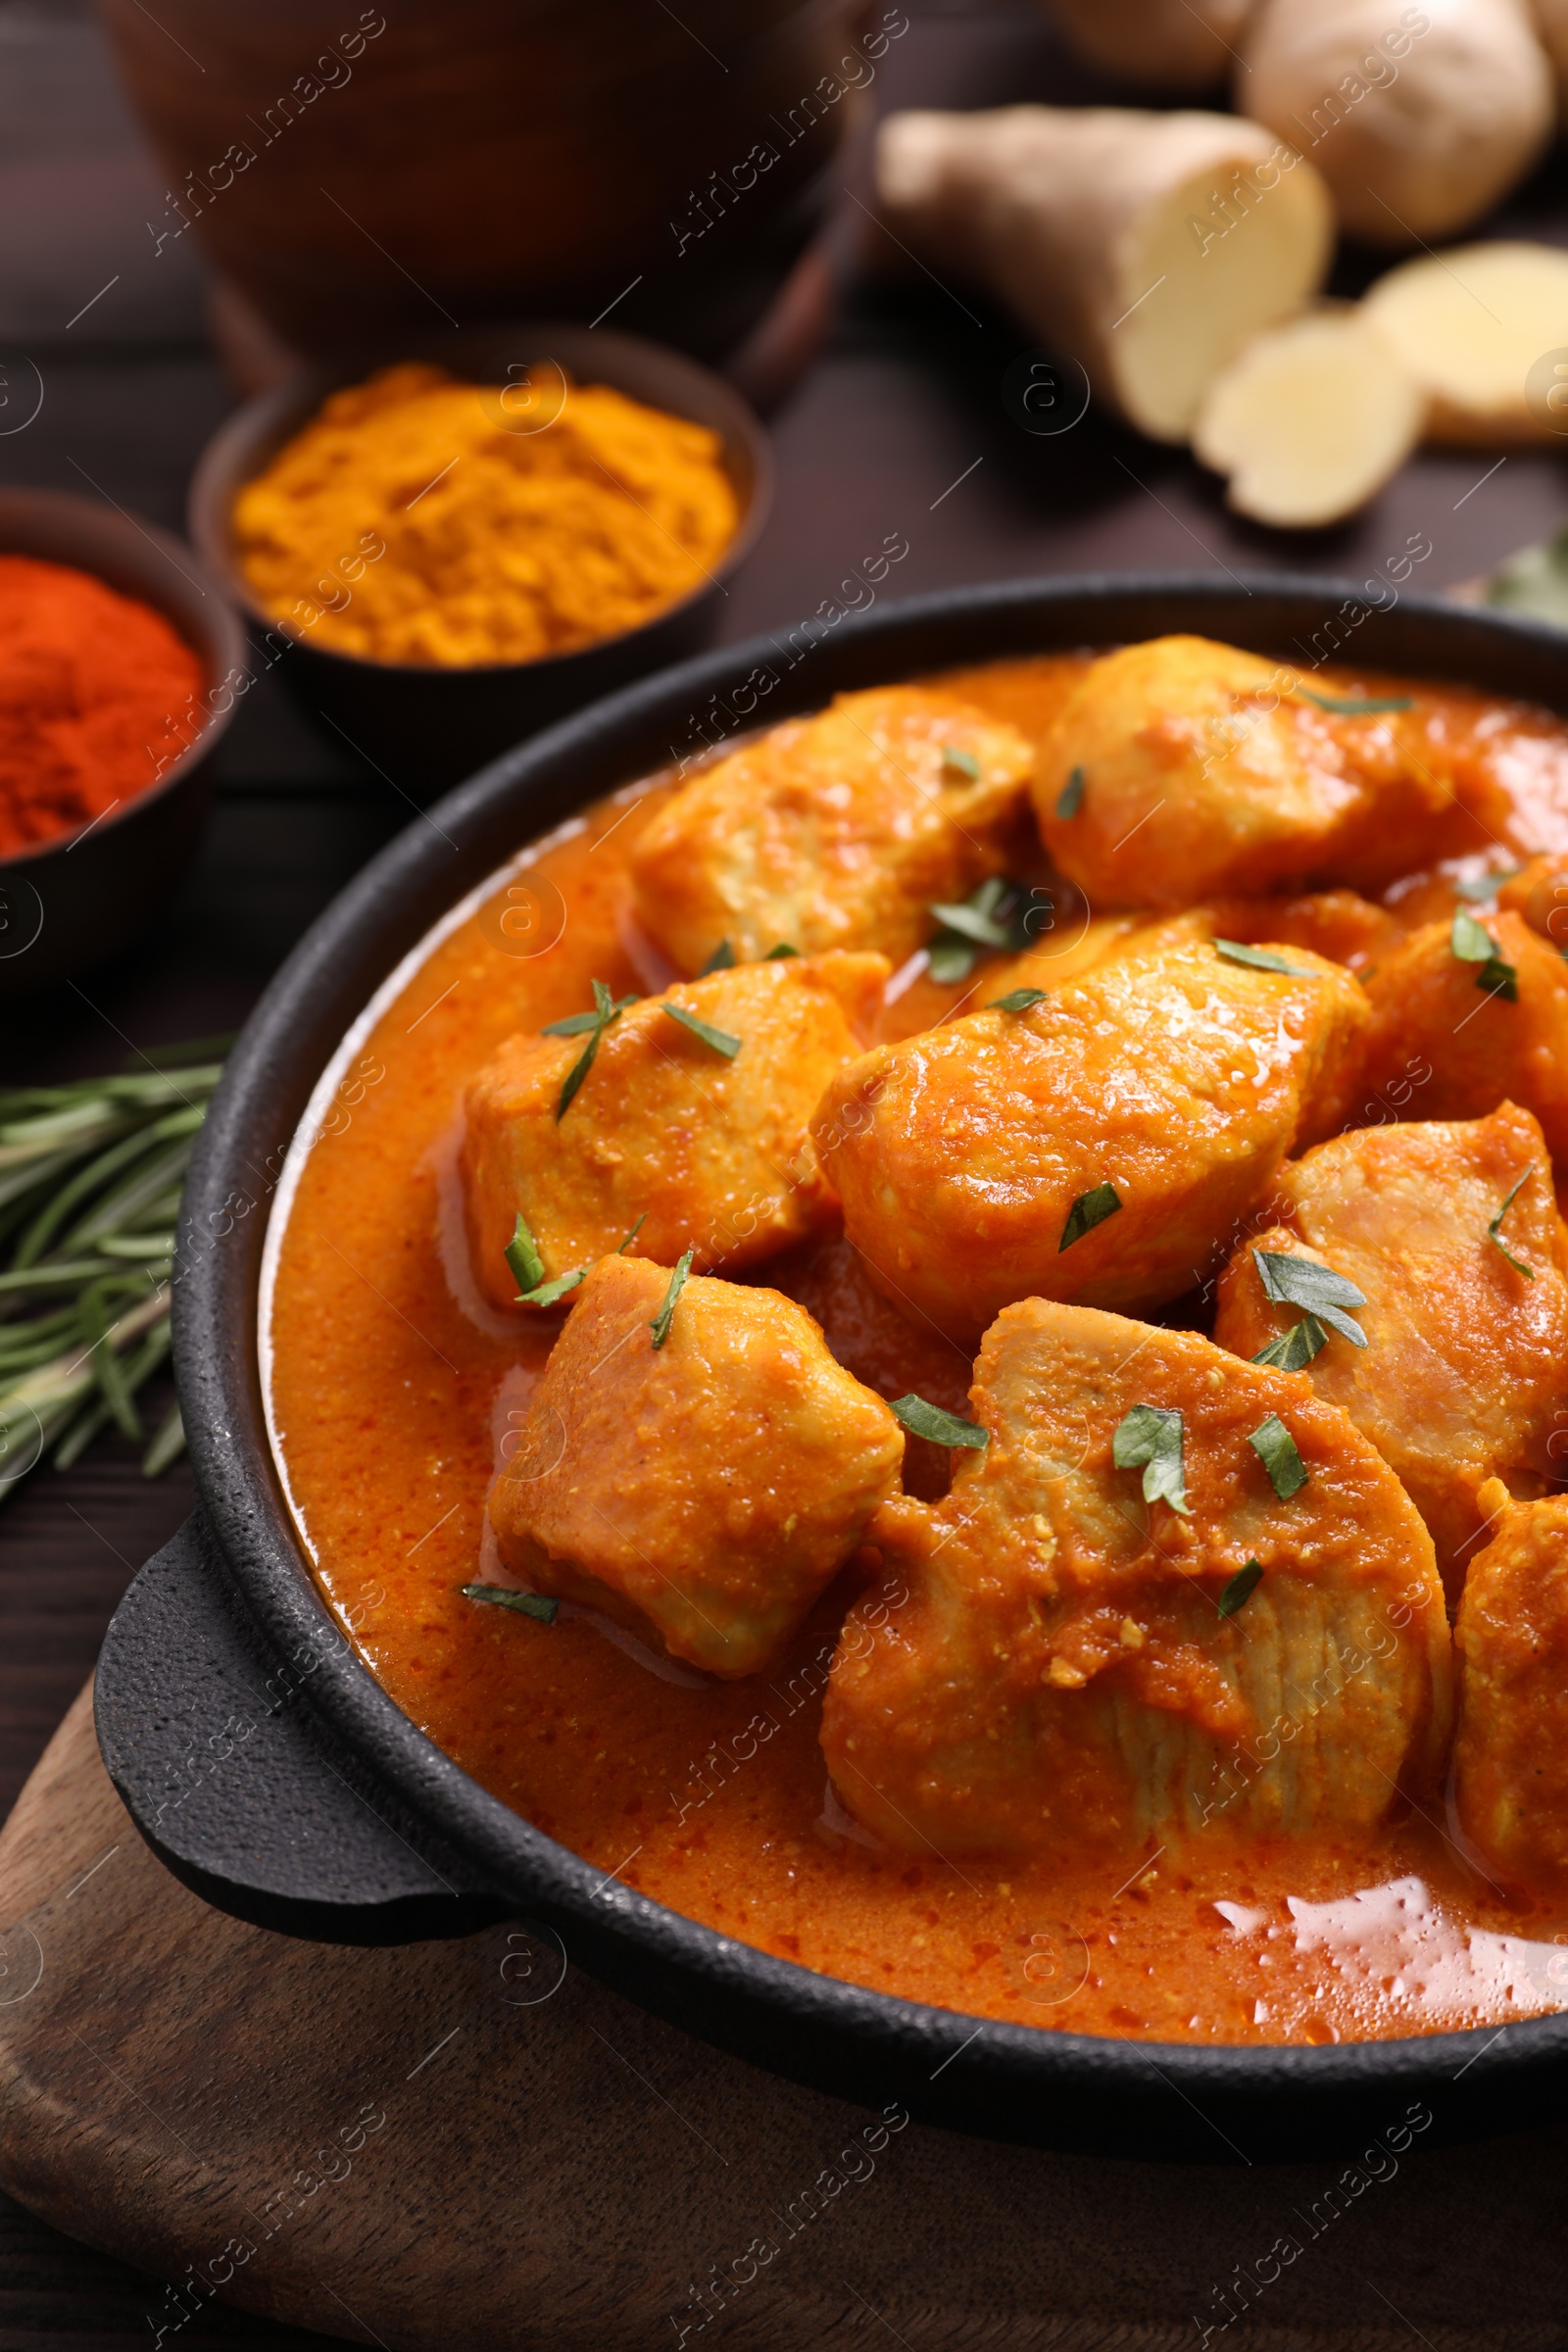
(426, 728)
(72, 902)
(273, 1773)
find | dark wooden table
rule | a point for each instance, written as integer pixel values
(901, 428)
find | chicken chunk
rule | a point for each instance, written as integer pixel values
(1338, 925)
(1075, 1662)
(1510, 1754)
(1180, 768)
(838, 831)
(1465, 1365)
(1539, 892)
(708, 1147)
(1472, 1033)
(702, 1489)
(1097, 939)
(892, 1355)
(1097, 1146)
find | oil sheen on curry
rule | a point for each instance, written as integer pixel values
(944, 1343)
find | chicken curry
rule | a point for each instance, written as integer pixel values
(943, 1342)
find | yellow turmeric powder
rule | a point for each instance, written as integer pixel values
(421, 519)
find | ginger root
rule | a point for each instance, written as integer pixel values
(1419, 123)
(1551, 27)
(1310, 421)
(1148, 246)
(1179, 46)
(1471, 326)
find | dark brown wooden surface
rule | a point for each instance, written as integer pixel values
(473, 2145)
(901, 429)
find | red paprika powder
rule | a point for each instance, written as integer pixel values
(95, 699)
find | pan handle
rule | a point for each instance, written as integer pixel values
(236, 1784)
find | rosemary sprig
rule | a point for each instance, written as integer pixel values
(90, 1179)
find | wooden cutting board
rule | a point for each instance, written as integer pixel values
(473, 2145)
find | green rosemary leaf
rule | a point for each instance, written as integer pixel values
(545, 1294)
(632, 1236)
(1470, 940)
(1353, 706)
(1292, 1281)
(1087, 1212)
(777, 954)
(541, 1606)
(1495, 1229)
(992, 916)
(1261, 959)
(1487, 886)
(718, 1040)
(964, 763)
(660, 1326)
(1473, 943)
(1150, 1437)
(723, 959)
(1280, 1456)
(521, 1254)
(971, 923)
(606, 1009)
(1018, 1000)
(1295, 1349)
(1070, 799)
(167, 1446)
(952, 958)
(930, 1421)
(1239, 1592)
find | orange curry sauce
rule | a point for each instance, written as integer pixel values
(390, 1388)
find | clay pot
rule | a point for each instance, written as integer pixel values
(355, 175)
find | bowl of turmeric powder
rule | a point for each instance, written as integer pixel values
(119, 664)
(457, 544)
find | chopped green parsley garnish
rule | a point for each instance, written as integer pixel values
(1295, 1349)
(660, 1326)
(1150, 1437)
(1355, 706)
(1292, 1281)
(723, 959)
(718, 1040)
(521, 1254)
(1017, 1000)
(778, 954)
(542, 1605)
(1087, 1212)
(930, 1421)
(1239, 1592)
(1277, 1451)
(1261, 959)
(1070, 799)
(1495, 1229)
(607, 1008)
(1473, 943)
(964, 763)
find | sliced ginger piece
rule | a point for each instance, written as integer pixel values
(1310, 421)
(1083, 219)
(1470, 327)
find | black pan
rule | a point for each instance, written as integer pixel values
(266, 1765)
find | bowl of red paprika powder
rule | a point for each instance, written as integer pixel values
(120, 660)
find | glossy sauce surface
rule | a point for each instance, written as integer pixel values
(394, 1393)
